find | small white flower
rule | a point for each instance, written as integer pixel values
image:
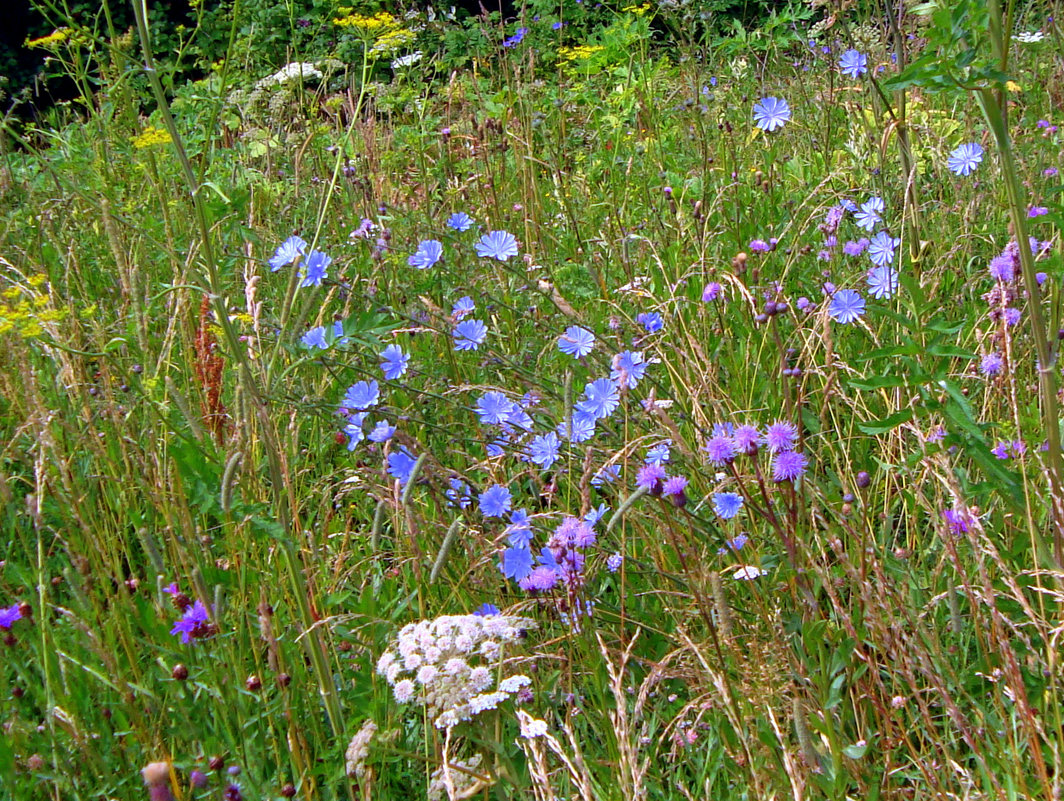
(1029, 37)
(481, 703)
(385, 662)
(432, 654)
(427, 674)
(463, 643)
(532, 727)
(480, 678)
(455, 666)
(412, 661)
(512, 684)
(394, 669)
(404, 691)
(489, 649)
(748, 572)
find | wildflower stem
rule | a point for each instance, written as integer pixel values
(1047, 377)
(315, 644)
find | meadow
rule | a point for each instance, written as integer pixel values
(603, 403)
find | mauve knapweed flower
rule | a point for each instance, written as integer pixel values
(541, 579)
(991, 364)
(651, 477)
(759, 246)
(401, 465)
(544, 450)
(600, 399)
(394, 362)
(870, 213)
(965, 158)
(1003, 267)
(313, 270)
(789, 466)
(720, 450)
(429, 251)
(771, 113)
(194, 624)
(460, 221)
(853, 64)
(8, 617)
(675, 489)
(711, 292)
(882, 282)
(1000, 450)
(957, 520)
(469, 335)
(846, 306)
(362, 395)
(1012, 316)
(852, 248)
(1049, 172)
(500, 245)
(881, 248)
(495, 501)
(747, 439)
(727, 504)
(781, 436)
(1037, 211)
(287, 252)
(576, 342)
(315, 338)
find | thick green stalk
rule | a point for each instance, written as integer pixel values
(315, 642)
(1047, 376)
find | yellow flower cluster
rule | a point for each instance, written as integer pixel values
(51, 40)
(391, 41)
(578, 53)
(639, 11)
(151, 136)
(25, 310)
(376, 24)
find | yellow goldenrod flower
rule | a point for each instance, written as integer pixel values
(151, 136)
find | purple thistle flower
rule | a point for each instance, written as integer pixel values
(712, 291)
(789, 466)
(747, 439)
(650, 478)
(194, 624)
(9, 615)
(781, 436)
(720, 449)
(992, 364)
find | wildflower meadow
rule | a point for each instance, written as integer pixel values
(567, 401)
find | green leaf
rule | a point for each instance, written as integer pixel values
(887, 423)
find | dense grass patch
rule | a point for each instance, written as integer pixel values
(549, 409)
